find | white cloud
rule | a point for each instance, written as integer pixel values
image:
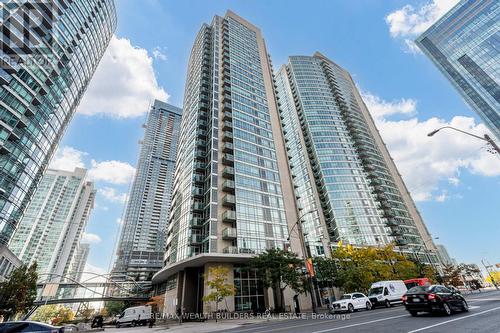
(91, 271)
(119, 221)
(114, 172)
(158, 54)
(88, 237)
(408, 22)
(67, 158)
(425, 161)
(454, 181)
(112, 194)
(442, 197)
(380, 108)
(124, 83)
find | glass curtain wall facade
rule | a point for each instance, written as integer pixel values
(339, 163)
(232, 195)
(54, 222)
(465, 45)
(44, 71)
(227, 162)
(141, 248)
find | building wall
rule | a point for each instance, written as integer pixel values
(340, 165)
(78, 262)
(232, 195)
(54, 222)
(463, 44)
(142, 241)
(39, 97)
(8, 262)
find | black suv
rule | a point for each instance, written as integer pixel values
(433, 298)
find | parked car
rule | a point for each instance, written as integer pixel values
(134, 316)
(351, 303)
(29, 326)
(434, 298)
(387, 293)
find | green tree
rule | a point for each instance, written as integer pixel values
(219, 289)
(46, 313)
(452, 276)
(114, 307)
(19, 292)
(279, 269)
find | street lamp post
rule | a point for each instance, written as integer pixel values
(305, 253)
(486, 137)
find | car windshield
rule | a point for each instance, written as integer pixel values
(375, 291)
(418, 289)
(346, 296)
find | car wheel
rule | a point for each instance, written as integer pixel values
(117, 325)
(414, 313)
(368, 306)
(134, 323)
(465, 306)
(447, 309)
(387, 303)
(350, 308)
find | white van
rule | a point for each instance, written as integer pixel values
(387, 293)
(137, 315)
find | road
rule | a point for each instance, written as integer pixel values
(484, 316)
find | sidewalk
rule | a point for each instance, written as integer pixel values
(207, 326)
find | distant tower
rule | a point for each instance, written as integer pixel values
(54, 222)
(464, 45)
(142, 242)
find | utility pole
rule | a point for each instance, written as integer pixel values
(489, 273)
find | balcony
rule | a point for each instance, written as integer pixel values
(199, 166)
(228, 159)
(401, 242)
(227, 137)
(198, 178)
(199, 154)
(229, 216)
(196, 222)
(227, 116)
(391, 223)
(227, 147)
(227, 126)
(229, 233)
(228, 186)
(201, 143)
(228, 172)
(202, 134)
(197, 192)
(230, 250)
(196, 239)
(197, 206)
(226, 107)
(229, 200)
(396, 232)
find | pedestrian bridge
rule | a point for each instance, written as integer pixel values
(59, 289)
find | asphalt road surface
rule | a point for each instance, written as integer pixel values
(484, 316)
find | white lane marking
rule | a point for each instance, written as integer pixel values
(452, 320)
(368, 313)
(360, 324)
(472, 307)
(484, 299)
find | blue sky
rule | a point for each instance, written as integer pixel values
(455, 181)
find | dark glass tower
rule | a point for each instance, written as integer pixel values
(142, 241)
(465, 45)
(49, 52)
